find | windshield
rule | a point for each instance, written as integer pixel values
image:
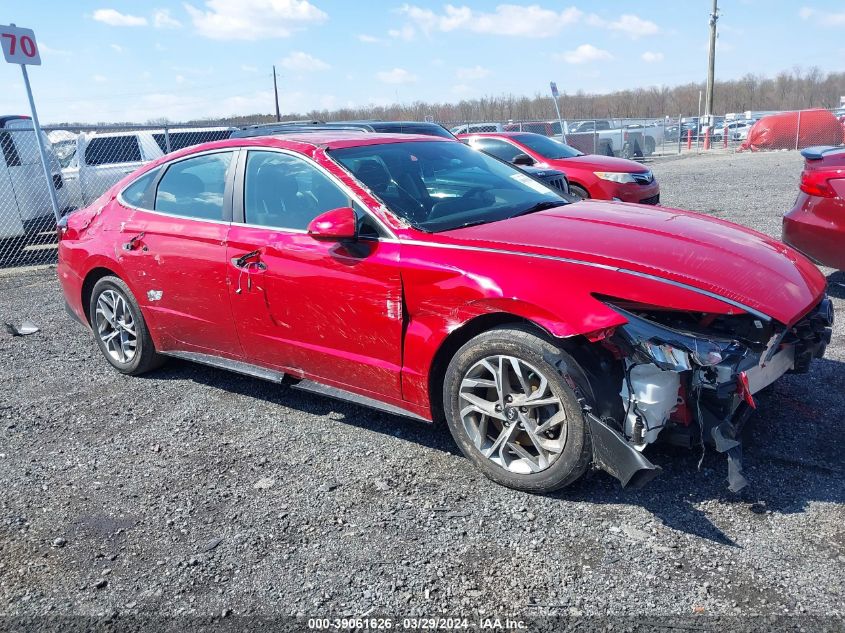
(547, 147)
(438, 186)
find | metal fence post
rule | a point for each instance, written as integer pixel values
(51, 187)
(798, 130)
(679, 134)
(166, 140)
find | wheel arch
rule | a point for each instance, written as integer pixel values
(91, 278)
(458, 337)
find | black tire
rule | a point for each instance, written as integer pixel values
(529, 347)
(145, 357)
(578, 190)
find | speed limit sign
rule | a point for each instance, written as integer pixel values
(19, 46)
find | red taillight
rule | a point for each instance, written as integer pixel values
(816, 183)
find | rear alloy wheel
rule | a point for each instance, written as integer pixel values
(512, 413)
(120, 329)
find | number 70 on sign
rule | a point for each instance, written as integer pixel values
(19, 46)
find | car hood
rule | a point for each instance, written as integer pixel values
(689, 248)
(597, 162)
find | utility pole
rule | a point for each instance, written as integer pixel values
(711, 61)
(276, 92)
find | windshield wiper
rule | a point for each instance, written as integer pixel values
(540, 206)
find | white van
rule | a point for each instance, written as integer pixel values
(24, 199)
(101, 159)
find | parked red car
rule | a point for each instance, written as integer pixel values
(422, 277)
(590, 175)
(816, 224)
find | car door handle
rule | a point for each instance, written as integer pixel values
(246, 262)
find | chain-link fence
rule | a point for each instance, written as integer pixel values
(86, 161)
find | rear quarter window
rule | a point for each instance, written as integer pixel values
(108, 150)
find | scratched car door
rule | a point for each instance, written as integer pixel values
(329, 310)
(173, 249)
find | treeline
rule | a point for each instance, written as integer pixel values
(797, 89)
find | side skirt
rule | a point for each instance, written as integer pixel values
(248, 369)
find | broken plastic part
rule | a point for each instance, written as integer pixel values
(616, 457)
(24, 329)
(649, 395)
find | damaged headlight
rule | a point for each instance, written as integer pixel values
(671, 349)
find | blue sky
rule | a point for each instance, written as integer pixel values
(135, 61)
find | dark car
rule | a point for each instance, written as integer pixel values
(550, 177)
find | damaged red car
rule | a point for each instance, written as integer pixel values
(420, 276)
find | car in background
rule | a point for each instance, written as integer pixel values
(388, 127)
(816, 223)
(420, 277)
(589, 137)
(100, 159)
(25, 206)
(590, 175)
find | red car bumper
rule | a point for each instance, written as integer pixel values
(816, 227)
(627, 192)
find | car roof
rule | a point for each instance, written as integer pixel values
(504, 134)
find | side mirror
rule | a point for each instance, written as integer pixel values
(523, 159)
(337, 225)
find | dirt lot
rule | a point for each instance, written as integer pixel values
(193, 491)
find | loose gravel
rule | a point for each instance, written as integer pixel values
(195, 491)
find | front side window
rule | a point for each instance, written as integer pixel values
(194, 187)
(106, 150)
(500, 149)
(441, 185)
(286, 192)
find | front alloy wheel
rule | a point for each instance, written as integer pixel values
(511, 415)
(512, 412)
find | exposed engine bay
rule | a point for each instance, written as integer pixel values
(690, 379)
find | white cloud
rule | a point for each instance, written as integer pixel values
(406, 33)
(651, 58)
(506, 19)
(253, 19)
(368, 39)
(584, 54)
(634, 26)
(304, 62)
(823, 18)
(100, 79)
(471, 74)
(116, 18)
(631, 25)
(117, 48)
(163, 20)
(396, 76)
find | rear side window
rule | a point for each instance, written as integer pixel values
(194, 187)
(138, 193)
(10, 152)
(106, 150)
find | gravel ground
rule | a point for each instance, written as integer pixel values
(194, 491)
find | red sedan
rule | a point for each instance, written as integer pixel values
(816, 224)
(419, 276)
(590, 175)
